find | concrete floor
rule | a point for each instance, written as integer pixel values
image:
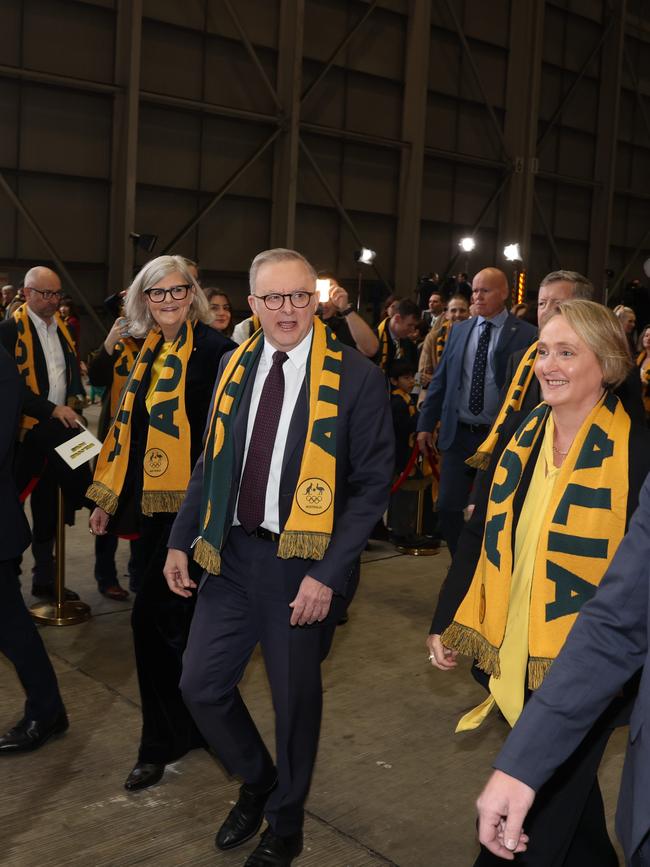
(393, 784)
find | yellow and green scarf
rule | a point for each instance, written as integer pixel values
(513, 402)
(124, 357)
(24, 354)
(309, 527)
(580, 534)
(441, 340)
(384, 337)
(167, 458)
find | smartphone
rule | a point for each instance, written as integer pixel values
(125, 327)
(323, 288)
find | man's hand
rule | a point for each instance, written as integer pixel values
(177, 574)
(312, 602)
(67, 416)
(502, 807)
(443, 657)
(339, 297)
(98, 521)
(425, 441)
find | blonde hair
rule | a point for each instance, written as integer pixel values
(135, 303)
(601, 330)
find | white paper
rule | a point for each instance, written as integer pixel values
(80, 449)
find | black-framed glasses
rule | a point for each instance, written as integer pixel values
(275, 300)
(46, 294)
(157, 294)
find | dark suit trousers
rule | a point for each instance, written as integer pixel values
(23, 646)
(161, 624)
(44, 514)
(456, 480)
(246, 604)
(566, 823)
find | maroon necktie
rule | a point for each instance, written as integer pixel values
(252, 488)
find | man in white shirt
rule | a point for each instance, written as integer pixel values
(288, 604)
(54, 379)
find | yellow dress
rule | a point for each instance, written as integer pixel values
(507, 691)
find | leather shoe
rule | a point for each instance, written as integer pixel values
(30, 734)
(143, 775)
(46, 591)
(245, 818)
(275, 851)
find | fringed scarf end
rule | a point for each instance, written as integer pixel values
(471, 643)
(207, 557)
(537, 670)
(480, 460)
(307, 546)
(161, 501)
(103, 497)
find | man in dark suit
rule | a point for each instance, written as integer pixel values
(290, 606)
(464, 392)
(57, 382)
(20, 642)
(396, 335)
(605, 648)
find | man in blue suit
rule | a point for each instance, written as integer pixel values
(464, 392)
(607, 645)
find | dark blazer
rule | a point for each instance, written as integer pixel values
(15, 534)
(607, 646)
(365, 454)
(464, 564)
(442, 403)
(37, 405)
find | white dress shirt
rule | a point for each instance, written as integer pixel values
(54, 358)
(294, 370)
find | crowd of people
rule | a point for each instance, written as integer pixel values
(275, 448)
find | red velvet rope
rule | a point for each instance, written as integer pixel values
(406, 472)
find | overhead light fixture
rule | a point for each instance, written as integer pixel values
(512, 252)
(365, 256)
(467, 244)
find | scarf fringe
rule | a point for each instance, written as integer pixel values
(161, 501)
(307, 546)
(207, 557)
(471, 643)
(480, 460)
(538, 668)
(103, 497)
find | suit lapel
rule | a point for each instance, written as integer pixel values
(297, 426)
(509, 330)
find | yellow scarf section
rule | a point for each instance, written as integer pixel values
(24, 354)
(167, 454)
(645, 381)
(124, 356)
(581, 530)
(513, 402)
(383, 335)
(441, 340)
(308, 529)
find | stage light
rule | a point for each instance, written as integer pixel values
(512, 252)
(365, 256)
(467, 244)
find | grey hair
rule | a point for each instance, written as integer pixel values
(583, 288)
(135, 303)
(277, 254)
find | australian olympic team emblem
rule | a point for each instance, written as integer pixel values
(314, 496)
(155, 462)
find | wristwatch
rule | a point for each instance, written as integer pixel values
(349, 309)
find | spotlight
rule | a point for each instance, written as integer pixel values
(512, 252)
(467, 244)
(365, 256)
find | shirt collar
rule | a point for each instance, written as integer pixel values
(497, 321)
(39, 322)
(297, 356)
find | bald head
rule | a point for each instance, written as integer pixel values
(42, 291)
(490, 292)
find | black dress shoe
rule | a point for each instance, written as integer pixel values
(275, 851)
(245, 818)
(143, 775)
(30, 734)
(46, 591)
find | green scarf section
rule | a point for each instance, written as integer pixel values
(308, 529)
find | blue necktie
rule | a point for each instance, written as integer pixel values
(477, 387)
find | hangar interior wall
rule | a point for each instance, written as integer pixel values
(324, 124)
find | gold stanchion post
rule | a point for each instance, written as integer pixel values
(419, 485)
(59, 612)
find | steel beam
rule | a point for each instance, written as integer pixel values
(619, 280)
(128, 46)
(609, 98)
(414, 120)
(78, 295)
(33, 76)
(521, 119)
(285, 162)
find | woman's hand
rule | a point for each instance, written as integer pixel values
(441, 657)
(114, 335)
(98, 521)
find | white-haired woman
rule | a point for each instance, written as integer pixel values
(140, 480)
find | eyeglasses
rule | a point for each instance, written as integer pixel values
(157, 294)
(275, 300)
(46, 293)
